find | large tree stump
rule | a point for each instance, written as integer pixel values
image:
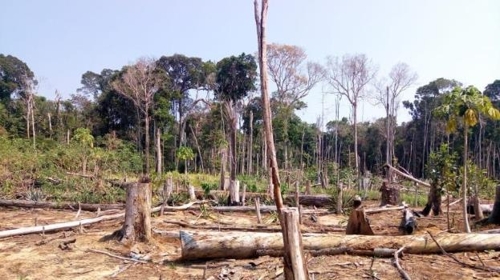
(495, 215)
(389, 194)
(137, 226)
(358, 222)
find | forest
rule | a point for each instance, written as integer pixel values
(160, 157)
(203, 117)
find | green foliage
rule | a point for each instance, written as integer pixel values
(236, 76)
(478, 176)
(185, 153)
(207, 187)
(442, 169)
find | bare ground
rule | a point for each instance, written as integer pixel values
(38, 256)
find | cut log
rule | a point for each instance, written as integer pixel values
(58, 226)
(305, 200)
(58, 205)
(408, 222)
(311, 200)
(68, 225)
(245, 245)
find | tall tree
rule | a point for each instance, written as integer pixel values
(349, 76)
(236, 77)
(466, 105)
(139, 83)
(426, 132)
(15, 75)
(184, 74)
(294, 79)
(388, 93)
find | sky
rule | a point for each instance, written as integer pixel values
(60, 39)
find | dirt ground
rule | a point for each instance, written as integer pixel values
(38, 256)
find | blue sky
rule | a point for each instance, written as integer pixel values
(60, 39)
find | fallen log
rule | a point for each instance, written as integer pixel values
(258, 228)
(58, 226)
(305, 200)
(243, 245)
(68, 225)
(409, 177)
(58, 205)
(263, 209)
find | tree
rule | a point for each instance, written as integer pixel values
(388, 92)
(349, 76)
(426, 132)
(183, 74)
(139, 83)
(466, 105)
(294, 78)
(15, 75)
(236, 77)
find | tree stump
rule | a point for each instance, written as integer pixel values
(433, 201)
(137, 226)
(358, 222)
(389, 194)
(495, 215)
(295, 263)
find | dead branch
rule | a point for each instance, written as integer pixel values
(403, 273)
(409, 177)
(485, 268)
(116, 256)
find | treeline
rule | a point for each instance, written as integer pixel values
(183, 113)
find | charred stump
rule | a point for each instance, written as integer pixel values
(433, 201)
(495, 215)
(389, 194)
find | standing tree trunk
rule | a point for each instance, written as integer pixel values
(294, 268)
(146, 144)
(250, 146)
(464, 182)
(159, 158)
(356, 158)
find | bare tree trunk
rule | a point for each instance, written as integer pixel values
(356, 160)
(159, 157)
(50, 125)
(223, 168)
(147, 142)
(197, 148)
(464, 183)
(260, 20)
(250, 146)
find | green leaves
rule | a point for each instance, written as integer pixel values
(467, 104)
(185, 153)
